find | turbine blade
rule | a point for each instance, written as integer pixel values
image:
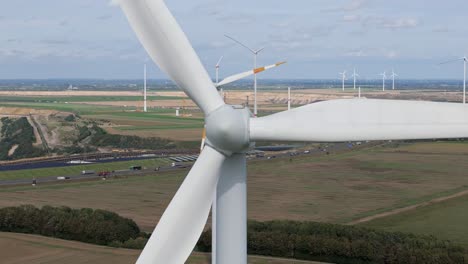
(219, 61)
(449, 61)
(168, 46)
(182, 223)
(240, 43)
(243, 75)
(356, 120)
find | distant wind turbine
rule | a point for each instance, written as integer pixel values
(384, 77)
(255, 53)
(465, 60)
(217, 68)
(343, 78)
(145, 109)
(217, 74)
(393, 79)
(354, 77)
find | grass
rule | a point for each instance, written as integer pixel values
(335, 188)
(155, 123)
(76, 170)
(63, 99)
(445, 220)
(20, 248)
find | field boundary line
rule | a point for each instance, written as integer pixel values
(407, 208)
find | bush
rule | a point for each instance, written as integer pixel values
(18, 132)
(86, 225)
(343, 244)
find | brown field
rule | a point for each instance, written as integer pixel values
(20, 248)
(179, 135)
(266, 98)
(338, 188)
(19, 111)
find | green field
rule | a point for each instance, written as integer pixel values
(63, 99)
(76, 170)
(156, 123)
(31, 249)
(337, 188)
(445, 220)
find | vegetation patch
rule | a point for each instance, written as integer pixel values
(17, 139)
(343, 244)
(86, 225)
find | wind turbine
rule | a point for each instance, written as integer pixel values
(145, 109)
(232, 130)
(393, 79)
(343, 77)
(384, 77)
(255, 53)
(217, 74)
(217, 68)
(465, 60)
(354, 77)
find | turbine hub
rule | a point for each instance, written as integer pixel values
(227, 129)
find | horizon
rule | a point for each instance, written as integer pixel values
(84, 39)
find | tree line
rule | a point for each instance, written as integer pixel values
(286, 239)
(343, 244)
(85, 225)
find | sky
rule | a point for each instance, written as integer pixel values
(50, 39)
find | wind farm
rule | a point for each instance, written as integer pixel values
(317, 169)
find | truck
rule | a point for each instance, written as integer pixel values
(135, 168)
(87, 172)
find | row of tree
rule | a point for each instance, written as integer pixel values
(343, 244)
(285, 239)
(86, 225)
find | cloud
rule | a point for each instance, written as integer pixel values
(104, 17)
(355, 53)
(400, 23)
(114, 2)
(391, 54)
(353, 5)
(441, 29)
(351, 18)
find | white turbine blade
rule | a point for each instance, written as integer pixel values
(182, 223)
(219, 62)
(168, 46)
(240, 43)
(356, 120)
(243, 75)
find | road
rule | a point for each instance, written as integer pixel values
(325, 149)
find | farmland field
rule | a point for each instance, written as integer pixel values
(337, 188)
(76, 169)
(445, 220)
(19, 248)
(158, 122)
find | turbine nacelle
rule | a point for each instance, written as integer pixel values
(227, 129)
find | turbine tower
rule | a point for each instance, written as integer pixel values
(393, 79)
(217, 74)
(354, 77)
(255, 53)
(384, 77)
(145, 109)
(232, 130)
(465, 60)
(343, 78)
